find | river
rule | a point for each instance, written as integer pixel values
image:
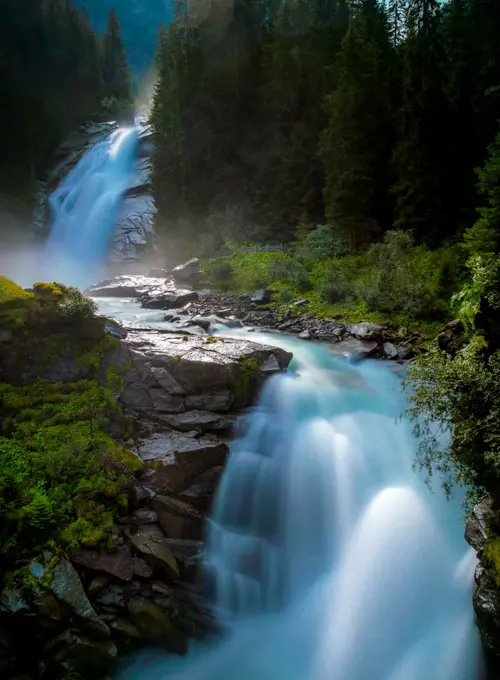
(333, 559)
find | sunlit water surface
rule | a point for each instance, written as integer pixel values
(333, 559)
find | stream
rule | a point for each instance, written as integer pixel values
(333, 559)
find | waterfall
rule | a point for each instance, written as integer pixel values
(332, 558)
(84, 209)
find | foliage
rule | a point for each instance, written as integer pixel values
(458, 396)
(52, 76)
(484, 281)
(369, 116)
(62, 476)
(393, 277)
(491, 553)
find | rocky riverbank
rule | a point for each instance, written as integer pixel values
(189, 307)
(116, 567)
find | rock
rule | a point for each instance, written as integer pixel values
(390, 351)
(212, 401)
(201, 322)
(187, 272)
(139, 494)
(169, 300)
(163, 402)
(300, 303)
(305, 335)
(366, 331)
(125, 629)
(150, 542)
(184, 455)
(111, 599)
(158, 273)
(455, 326)
(201, 493)
(97, 584)
(143, 516)
(261, 297)
(129, 287)
(120, 564)
(285, 325)
(68, 588)
(178, 519)
(205, 421)
(486, 601)
(6, 336)
(475, 531)
(134, 232)
(155, 625)
(196, 365)
(78, 656)
(113, 328)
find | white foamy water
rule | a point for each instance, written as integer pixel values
(333, 560)
(84, 210)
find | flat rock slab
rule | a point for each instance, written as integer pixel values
(198, 365)
(120, 564)
(193, 453)
(132, 286)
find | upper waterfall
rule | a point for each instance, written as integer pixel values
(84, 208)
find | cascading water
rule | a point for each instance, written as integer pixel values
(84, 209)
(333, 560)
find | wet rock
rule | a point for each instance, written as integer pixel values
(120, 564)
(196, 364)
(212, 401)
(158, 273)
(261, 297)
(177, 518)
(205, 421)
(187, 272)
(200, 321)
(163, 402)
(97, 584)
(305, 335)
(169, 300)
(126, 287)
(390, 351)
(366, 331)
(476, 529)
(487, 608)
(111, 599)
(201, 493)
(150, 542)
(68, 588)
(139, 494)
(78, 656)
(125, 630)
(300, 303)
(155, 625)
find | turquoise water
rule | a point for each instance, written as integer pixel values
(333, 560)
(84, 209)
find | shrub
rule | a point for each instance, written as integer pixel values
(459, 397)
(74, 306)
(324, 242)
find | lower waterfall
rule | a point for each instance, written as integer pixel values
(332, 559)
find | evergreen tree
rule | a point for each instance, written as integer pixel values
(355, 143)
(117, 78)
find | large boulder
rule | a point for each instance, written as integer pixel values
(170, 300)
(120, 563)
(187, 272)
(196, 365)
(129, 287)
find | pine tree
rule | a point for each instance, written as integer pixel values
(117, 78)
(354, 145)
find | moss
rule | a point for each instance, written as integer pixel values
(248, 370)
(63, 479)
(491, 553)
(48, 290)
(15, 303)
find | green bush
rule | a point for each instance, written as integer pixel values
(461, 394)
(75, 306)
(322, 241)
